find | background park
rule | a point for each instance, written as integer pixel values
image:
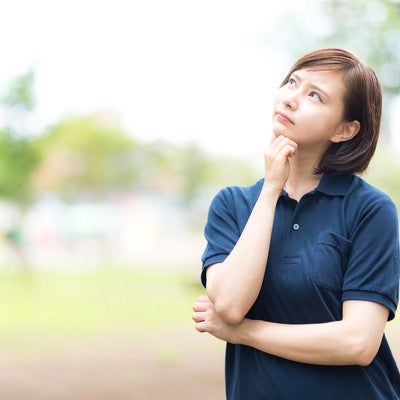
(104, 193)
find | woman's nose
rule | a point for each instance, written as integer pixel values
(290, 100)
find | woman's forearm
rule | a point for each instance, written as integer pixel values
(326, 344)
(234, 284)
(353, 340)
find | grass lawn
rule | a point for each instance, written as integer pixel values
(52, 305)
(59, 306)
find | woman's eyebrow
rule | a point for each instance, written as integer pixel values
(311, 85)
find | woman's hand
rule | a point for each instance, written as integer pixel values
(207, 320)
(276, 159)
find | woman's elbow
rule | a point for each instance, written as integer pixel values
(230, 314)
(364, 352)
(227, 309)
(364, 359)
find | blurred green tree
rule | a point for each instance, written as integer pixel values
(18, 102)
(18, 159)
(369, 28)
(86, 158)
(185, 171)
(187, 176)
(18, 156)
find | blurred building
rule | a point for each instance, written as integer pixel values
(133, 230)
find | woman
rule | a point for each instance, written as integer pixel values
(302, 268)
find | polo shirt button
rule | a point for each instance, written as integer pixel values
(296, 227)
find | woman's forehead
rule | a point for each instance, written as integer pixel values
(324, 77)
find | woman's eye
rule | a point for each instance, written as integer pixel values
(291, 81)
(316, 96)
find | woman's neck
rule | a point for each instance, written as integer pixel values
(302, 178)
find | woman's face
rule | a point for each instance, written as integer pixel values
(309, 108)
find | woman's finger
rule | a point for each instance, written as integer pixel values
(198, 316)
(203, 298)
(280, 142)
(200, 326)
(201, 304)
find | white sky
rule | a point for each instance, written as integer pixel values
(177, 69)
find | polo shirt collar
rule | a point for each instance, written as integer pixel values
(331, 185)
(335, 185)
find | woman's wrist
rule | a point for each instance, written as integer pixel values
(240, 334)
(270, 191)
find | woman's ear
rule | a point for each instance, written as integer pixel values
(346, 132)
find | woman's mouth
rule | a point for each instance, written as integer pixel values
(282, 117)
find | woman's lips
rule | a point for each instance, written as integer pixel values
(283, 117)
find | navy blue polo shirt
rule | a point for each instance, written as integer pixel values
(339, 242)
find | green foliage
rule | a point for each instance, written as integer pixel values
(369, 28)
(372, 29)
(20, 92)
(185, 171)
(85, 157)
(18, 159)
(91, 157)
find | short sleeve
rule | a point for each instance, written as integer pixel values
(372, 272)
(221, 231)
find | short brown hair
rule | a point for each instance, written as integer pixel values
(362, 102)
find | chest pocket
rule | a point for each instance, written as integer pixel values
(330, 260)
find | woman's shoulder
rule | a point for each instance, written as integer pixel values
(243, 192)
(237, 198)
(368, 191)
(366, 198)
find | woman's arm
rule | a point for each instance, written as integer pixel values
(353, 340)
(234, 284)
